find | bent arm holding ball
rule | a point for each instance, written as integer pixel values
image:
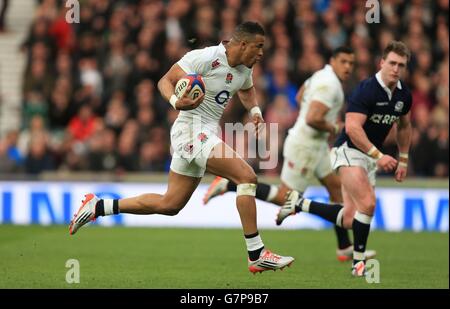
(166, 86)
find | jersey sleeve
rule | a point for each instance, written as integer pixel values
(358, 101)
(248, 82)
(194, 61)
(325, 92)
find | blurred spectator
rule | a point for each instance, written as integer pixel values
(61, 31)
(10, 154)
(39, 158)
(3, 8)
(82, 126)
(102, 154)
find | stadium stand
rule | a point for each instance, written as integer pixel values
(88, 97)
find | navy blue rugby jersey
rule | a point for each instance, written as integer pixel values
(372, 98)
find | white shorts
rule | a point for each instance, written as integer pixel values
(346, 156)
(302, 164)
(191, 148)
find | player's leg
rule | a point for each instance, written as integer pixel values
(180, 189)
(315, 164)
(346, 254)
(333, 185)
(224, 162)
(363, 196)
(264, 192)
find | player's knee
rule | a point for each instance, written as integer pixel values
(171, 211)
(247, 183)
(247, 176)
(171, 207)
(368, 205)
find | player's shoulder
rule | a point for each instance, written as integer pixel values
(325, 76)
(364, 91)
(367, 86)
(326, 72)
(206, 53)
(370, 82)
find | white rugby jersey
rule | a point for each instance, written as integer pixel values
(221, 82)
(323, 86)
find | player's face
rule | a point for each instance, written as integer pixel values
(343, 65)
(393, 68)
(252, 51)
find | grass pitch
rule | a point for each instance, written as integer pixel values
(118, 257)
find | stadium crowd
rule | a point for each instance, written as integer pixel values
(90, 101)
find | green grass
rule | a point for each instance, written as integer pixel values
(35, 257)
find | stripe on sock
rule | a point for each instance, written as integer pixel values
(254, 243)
(272, 193)
(305, 205)
(363, 218)
(108, 206)
(339, 217)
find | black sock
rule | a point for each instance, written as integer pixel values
(254, 255)
(262, 191)
(231, 186)
(328, 212)
(360, 235)
(99, 209)
(342, 237)
(116, 207)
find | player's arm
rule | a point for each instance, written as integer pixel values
(354, 123)
(248, 99)
(404, 132)
(316, 118)
(166, 86)
(299, 95)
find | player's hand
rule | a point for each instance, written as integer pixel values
(387, 163)
(186, 103)
(337, 128)
(258, 121)
(400, 173)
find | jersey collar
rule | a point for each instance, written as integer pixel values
(383, 85)
(222, 51)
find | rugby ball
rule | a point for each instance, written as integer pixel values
(193, 80)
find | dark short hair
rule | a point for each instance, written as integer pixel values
(246, 29)
(342, 50)
(397, 47)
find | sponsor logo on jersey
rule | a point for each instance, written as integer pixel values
(229, 78)
(222, 97)
(215, 64)
(383, 119)
(399, 106)
(189, 148)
